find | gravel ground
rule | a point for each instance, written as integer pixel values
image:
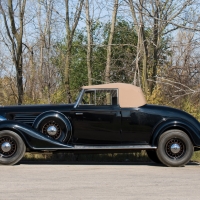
(99, 181)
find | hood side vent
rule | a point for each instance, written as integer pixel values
(25, 118)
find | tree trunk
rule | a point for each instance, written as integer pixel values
(143, 44)
(19, 68)
(17, 49)
(89, 43)
(109, 48)
(70, 34)
(155, 49)
(66, 74)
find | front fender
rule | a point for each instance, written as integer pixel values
(192, 131)
(32, 138)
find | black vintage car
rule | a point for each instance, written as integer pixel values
(105, 118)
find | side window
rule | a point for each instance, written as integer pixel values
(100, 97)
(106, 97)
(88, 98)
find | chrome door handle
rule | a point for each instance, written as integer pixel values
(79, 113)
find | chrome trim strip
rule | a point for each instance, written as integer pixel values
(2, 118)
(115, 147)
(82, 147)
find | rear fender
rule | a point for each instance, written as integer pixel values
(189, 129)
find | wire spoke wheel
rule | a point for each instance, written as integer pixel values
(12, 147)
(175, 148)
(8, 146)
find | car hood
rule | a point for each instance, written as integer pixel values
(35, 108)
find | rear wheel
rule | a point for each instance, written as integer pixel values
(12, 147)
(153, 156)
(175, 148)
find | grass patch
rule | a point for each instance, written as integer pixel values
(110, 157)
(70, 157)
(196, 156)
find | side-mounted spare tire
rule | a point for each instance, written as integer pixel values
(175, 148)
(12, 147)
(55, 125)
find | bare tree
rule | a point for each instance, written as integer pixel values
(15, 35)
(157, 15)
(142, 42)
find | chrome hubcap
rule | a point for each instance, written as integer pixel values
(6, 147)
(52, 130)
(175, 148)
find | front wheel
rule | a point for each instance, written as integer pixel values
(12, 147)
(175, 148)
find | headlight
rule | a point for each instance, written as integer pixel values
(2, 118)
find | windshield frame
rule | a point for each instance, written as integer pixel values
(79, 98)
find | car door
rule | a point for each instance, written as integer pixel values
(97, 124)
(137, 125)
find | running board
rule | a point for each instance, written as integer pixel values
(113, 147)
(99, 147)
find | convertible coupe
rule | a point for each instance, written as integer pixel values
(105, 118)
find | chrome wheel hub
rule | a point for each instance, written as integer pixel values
(6, 147)
(52, 130)
(175, 148)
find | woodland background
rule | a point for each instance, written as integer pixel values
(50, 48)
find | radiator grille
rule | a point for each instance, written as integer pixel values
(25, 118)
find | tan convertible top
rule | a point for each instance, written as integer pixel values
(129, 95)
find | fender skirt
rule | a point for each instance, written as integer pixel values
(32, 138)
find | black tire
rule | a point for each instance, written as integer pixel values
(153, 156)
(16, 147)
(62, 130)
(175, 148)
